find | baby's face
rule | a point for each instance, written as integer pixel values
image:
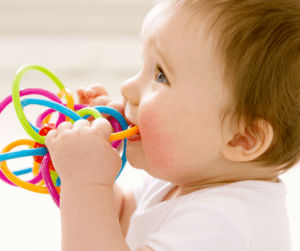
(176, 108)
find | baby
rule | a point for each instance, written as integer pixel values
(218, 111)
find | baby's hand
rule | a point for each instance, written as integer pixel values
(87, 95)
(96, 95)
(82, 154)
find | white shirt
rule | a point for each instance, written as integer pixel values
(242, 216)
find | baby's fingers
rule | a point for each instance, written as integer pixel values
(83, 98)
(80, 91)
(91, 92)
(95, 90)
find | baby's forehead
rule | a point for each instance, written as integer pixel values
(184, 20)
(178, 24)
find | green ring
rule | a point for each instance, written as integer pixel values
(17, 101)
(88, 111)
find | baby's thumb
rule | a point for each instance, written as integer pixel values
(119, 106)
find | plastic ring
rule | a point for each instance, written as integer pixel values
(88, 111)
(46, 120)
(16, 97)
(30, 91)
(35, 171)
(48, 181)
(14, 179)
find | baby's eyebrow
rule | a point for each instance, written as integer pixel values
(162, 56)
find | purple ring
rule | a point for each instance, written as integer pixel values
(35, 180)
(48, 181)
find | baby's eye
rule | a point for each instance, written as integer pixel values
(161, 77)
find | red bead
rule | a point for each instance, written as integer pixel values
(43, 132)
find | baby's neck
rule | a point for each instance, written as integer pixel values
(178, 191)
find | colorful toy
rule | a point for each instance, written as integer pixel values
(43, 170)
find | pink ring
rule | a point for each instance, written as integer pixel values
(47, 178)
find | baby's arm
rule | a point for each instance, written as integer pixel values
(119, 199)
(96, 95)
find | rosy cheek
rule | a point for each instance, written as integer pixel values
(158, 138)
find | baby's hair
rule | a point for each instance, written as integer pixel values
(259, 43)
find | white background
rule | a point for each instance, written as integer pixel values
(82, 42)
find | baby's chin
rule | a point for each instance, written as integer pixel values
(136, 156)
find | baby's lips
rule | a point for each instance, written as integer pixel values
(132, 125)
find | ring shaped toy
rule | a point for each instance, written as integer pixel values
(23, 171)
(17, 102)
(21, 183)
(14, 179)
(48, 181)
(88, 111)
(30, 91)
(19, 154)
(74, 116)
(47, 119)
(35, 172)
(65, 114)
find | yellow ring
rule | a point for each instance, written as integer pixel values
(47, 119)
(35, 171)
(14, 179)
(69, 97)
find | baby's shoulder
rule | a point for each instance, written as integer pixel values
(217, 205)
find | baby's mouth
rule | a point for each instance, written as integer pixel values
(132, 125)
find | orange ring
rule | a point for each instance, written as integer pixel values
(47, 119)
(13, 178)
(124, 134)
(69, 97)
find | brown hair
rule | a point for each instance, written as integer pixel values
(259, 44)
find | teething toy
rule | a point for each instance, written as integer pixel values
(43, 170)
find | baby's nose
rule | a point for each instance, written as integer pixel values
(130, 90)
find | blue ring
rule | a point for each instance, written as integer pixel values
(23, 171)
(119, 117)
(24, 153)
(56, 106)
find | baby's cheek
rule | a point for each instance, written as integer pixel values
(159, 141)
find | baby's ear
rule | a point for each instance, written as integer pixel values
(242, 146)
